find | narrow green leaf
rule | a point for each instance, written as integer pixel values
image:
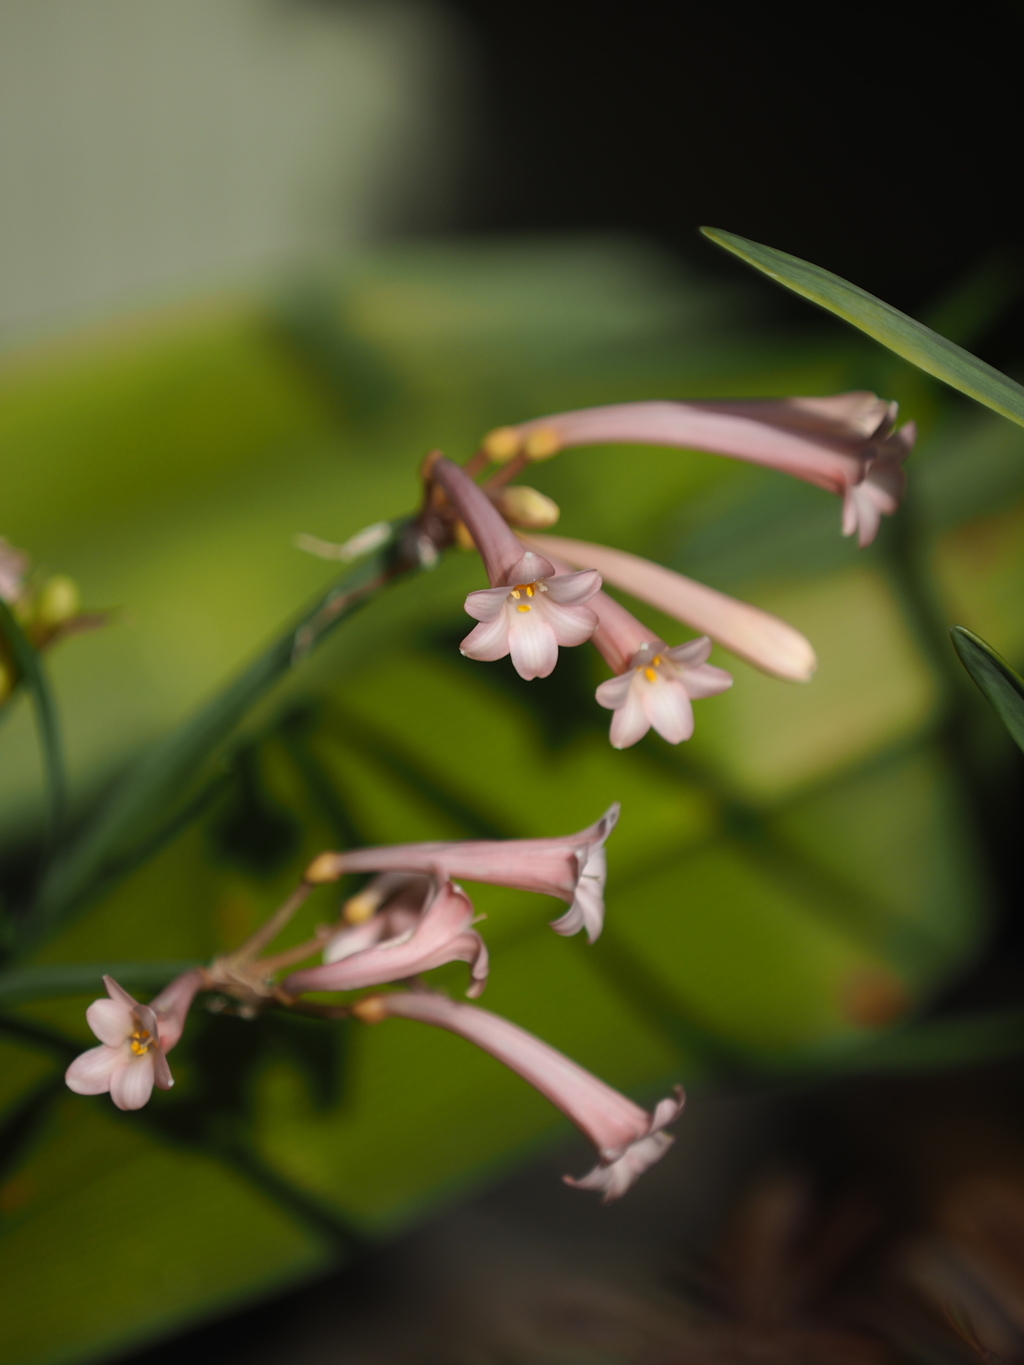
(34, 677)
(910, 339)
(78, 978)
(1002, 686)
(174, 761)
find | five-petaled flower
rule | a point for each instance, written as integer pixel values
(627, 1138)
(134, 1041)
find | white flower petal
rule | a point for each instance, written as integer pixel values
(532, 645)
(691, 654)
(573, 589)
(612, 694)
(706, 681)
(629, 723)
(90, 1073)
(668, 708)
(111, 1020)
(132, 1084)
(486, 604)
(615, 1178)
(572, 625)
(487, 641)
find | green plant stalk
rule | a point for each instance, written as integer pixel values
(33, 675)
(173, 761)
(912, 340)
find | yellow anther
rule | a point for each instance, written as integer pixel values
(360, 907)
(656, 660)
(141, 1041)
(529, 590)
(516, 593)
(650, 675)
(501, 444)
(523, 607)
(542, 444)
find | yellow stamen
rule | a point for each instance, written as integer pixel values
(542, 444)
(529, 590)
(501, 444)
(142, 1041)
(650, 675)
(516, 594)
(656, 660)
(524, 607)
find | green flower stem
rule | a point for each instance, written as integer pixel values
(33, 675)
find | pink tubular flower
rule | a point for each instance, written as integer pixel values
(441, 934)
(838, 443)
(627, 1138)
(134, 1040)
(528, 611)
(762, 639)
(571, 867)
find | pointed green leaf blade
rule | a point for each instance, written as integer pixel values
(1003, 687)
(908, 338)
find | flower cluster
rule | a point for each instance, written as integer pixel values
(47, 611)
(547, 592)
(410, 918)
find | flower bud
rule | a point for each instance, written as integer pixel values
(371, 1010)
(58, 602)
(324, 868)
(501, 444)
(542, 444)
(526, 507)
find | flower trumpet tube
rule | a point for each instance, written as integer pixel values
(571, 867)
(838, 443)
(627, 1138)
(765, 641)
(441, 934)
(134, 1041)
(529, 610)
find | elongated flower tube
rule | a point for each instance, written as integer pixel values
(832, 442)
(442, 934)
(762, 639)
(571, 867)
(528, 611)
(627, 1138)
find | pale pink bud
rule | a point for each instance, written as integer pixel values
(571, 867)
(527, 611)
(13, 568)
(441, 934)
(831, 442)
(762, 639)
(130, 1060)
(627, 1138)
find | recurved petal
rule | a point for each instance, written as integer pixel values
(690, 654)
(487, 641)
(706, 681)
(668, 709)
(132, 1084)
(111, 1020)
(529, 568)
(630, 722)
(615, 1178)
(486, 603)
(572, 589)
(90, 1073)
(161, 1071)
(533, 645)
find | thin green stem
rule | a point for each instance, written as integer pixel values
(33, 675)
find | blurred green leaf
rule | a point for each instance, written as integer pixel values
(168, 768)
(908, 338)
(1000, 684)
(43, 983)
(31, 669)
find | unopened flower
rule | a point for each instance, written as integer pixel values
(762, 639)
(656, 691)
(627, 1138)
(134, 1041)
(529, 610)
(835, 442)
(571, 867)
(441, 934)
(14, 566)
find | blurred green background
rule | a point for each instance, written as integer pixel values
(809, 871)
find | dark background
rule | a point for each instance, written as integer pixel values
(881, 142)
